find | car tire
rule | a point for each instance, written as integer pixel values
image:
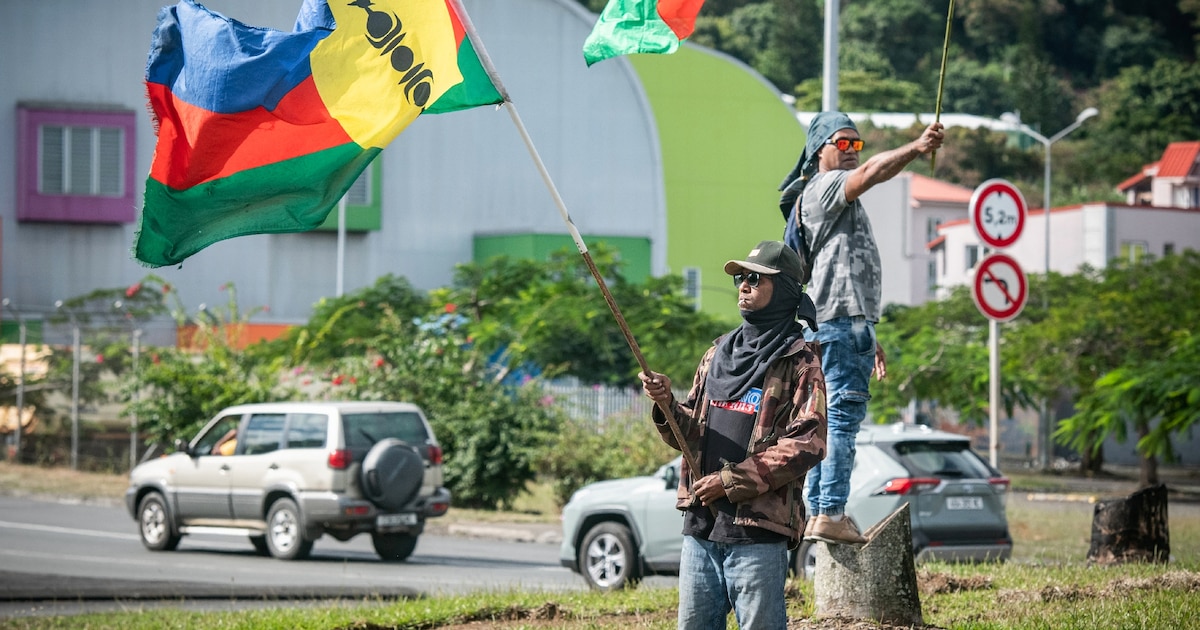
(392, 473)
(260, 545)
(608, 557)
(805, 563)
(154, 524)
(285, 531)
(394, 547)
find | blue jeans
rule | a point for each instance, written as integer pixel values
(847, 358)
(717, 577)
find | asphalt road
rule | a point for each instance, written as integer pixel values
(58, 557)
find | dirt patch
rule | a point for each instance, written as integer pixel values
(1188, 581)
(931, 583)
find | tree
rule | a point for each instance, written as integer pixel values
(493, 434)
(178, 390)
(552, 315)
(938, 352)
(341, 326)
(1143, 110)
(1133, 331)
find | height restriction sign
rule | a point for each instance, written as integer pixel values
(997, 212)
(1000, 289)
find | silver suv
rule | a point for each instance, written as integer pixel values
(617, 531)
(284, 474)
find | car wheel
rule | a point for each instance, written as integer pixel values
(392, 473)
(394, 547)
(805, 564)
(260, 545)
(154, 524)
(285, 533)
(608, 557)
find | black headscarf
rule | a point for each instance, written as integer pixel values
(743, 356)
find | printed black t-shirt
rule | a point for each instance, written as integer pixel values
(730, 424)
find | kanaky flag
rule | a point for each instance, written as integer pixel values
(640, 26)
(262, 131)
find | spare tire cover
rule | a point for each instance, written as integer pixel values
(392, 474)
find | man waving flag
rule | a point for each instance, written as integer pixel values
(640, 26)
(262, 131)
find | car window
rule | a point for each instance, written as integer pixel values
(263, 433)
(206, 444)
(363, 430)
(306, 430)
(953, 460)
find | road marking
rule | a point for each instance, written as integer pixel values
(66, 530)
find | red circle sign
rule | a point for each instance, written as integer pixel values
(999, 288)
(998, 212)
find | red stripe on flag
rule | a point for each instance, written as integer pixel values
(680, 15)
(459, 30)
(203, 146)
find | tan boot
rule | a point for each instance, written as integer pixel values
(842, 532)
(808, 528)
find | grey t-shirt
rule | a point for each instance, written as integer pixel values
(847, 278)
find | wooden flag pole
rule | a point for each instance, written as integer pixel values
(937, 112)
(469, 28)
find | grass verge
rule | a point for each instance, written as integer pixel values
(1047, 584)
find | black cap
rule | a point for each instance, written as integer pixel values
(770, 258)
(775, 257)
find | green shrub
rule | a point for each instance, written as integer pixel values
(583, 453)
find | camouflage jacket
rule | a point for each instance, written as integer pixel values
(788, 439)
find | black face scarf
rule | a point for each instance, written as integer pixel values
(743, 356)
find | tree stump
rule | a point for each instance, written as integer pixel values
(877, 581)
(1133, 529)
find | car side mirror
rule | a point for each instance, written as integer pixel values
(182, 447)
(671, 477)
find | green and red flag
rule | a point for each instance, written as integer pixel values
(640, 26)
(262, 131)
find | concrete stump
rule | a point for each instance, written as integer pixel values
(877, 581)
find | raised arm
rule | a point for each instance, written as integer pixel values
(884, 166)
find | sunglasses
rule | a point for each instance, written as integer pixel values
(844, 144)
(751, 279)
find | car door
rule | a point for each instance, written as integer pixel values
(256, 461)
(662, 523)
(202, 477)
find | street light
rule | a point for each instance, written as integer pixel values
(21, 385)
(1014, 120)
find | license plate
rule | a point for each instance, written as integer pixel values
(964, 503)
(395, 520)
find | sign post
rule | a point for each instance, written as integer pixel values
(999, 288)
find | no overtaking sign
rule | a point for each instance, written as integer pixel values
(1000, 288)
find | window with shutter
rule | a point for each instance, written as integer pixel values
(75, 163)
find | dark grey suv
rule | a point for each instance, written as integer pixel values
(285, 474)
(617, 531)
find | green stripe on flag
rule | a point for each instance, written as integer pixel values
(476, 88)
(290, 196)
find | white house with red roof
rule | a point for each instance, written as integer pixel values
(1161, 217)
(1174, 180)
(905, 214)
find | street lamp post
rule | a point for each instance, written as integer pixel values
(20, 385)
(1014, 121)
